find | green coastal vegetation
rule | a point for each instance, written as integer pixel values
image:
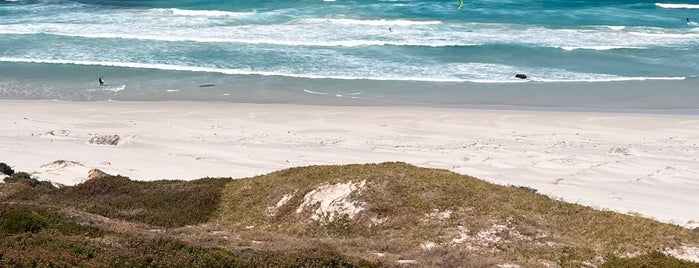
(369, 215)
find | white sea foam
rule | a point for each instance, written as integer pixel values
(667, 35)
(116, 88)
(252, 40)
(611, 78)
(677, 6)
(570, 48)
(369, 22)
(208, 13)
(616, 28)
(170, 67)
(173, 25)
(314, 92)
(291, 35)
(472, 72)
(355, 33)
(108, 88)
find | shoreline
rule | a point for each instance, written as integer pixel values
(637, 163)
(485, 107)
(79, 83)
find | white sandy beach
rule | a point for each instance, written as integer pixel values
(631, 163)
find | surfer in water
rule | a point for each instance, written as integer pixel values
(101, 81)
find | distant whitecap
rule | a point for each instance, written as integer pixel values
(314, 92)
(210, 13)
(677, 6)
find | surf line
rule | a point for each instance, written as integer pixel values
(314, 92)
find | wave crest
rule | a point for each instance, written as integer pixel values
(479, 73)
(207, 13)
(381, 22)
(677, 6)
(170, 67)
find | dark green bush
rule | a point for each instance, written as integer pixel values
(323, 256)
(162, 203)
(655, 259)
(21, 221)
(80, 249)
(5, 169)
(33, 218)
(18, 177)
(24, 177)
(46, 249)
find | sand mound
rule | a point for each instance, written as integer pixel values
(333, 200)
(68, 172)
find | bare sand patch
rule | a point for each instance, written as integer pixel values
(640, 163)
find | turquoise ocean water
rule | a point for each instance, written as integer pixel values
(627, 54)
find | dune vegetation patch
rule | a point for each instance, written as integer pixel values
(435, 217)
(388, 214)
(160, 203)
(37, 237)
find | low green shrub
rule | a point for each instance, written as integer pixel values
(321, 256)
(49, 250)
(20, 221)
(17, 219)
(18, 177)
(24, 177)
(655, 259)
(5, 169)
(161, 203)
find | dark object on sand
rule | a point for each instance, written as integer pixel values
(105, 140)
(521, 76)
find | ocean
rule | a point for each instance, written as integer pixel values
(621, 54)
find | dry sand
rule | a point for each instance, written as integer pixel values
(631, 163)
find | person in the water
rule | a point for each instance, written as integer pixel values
(101, 81)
